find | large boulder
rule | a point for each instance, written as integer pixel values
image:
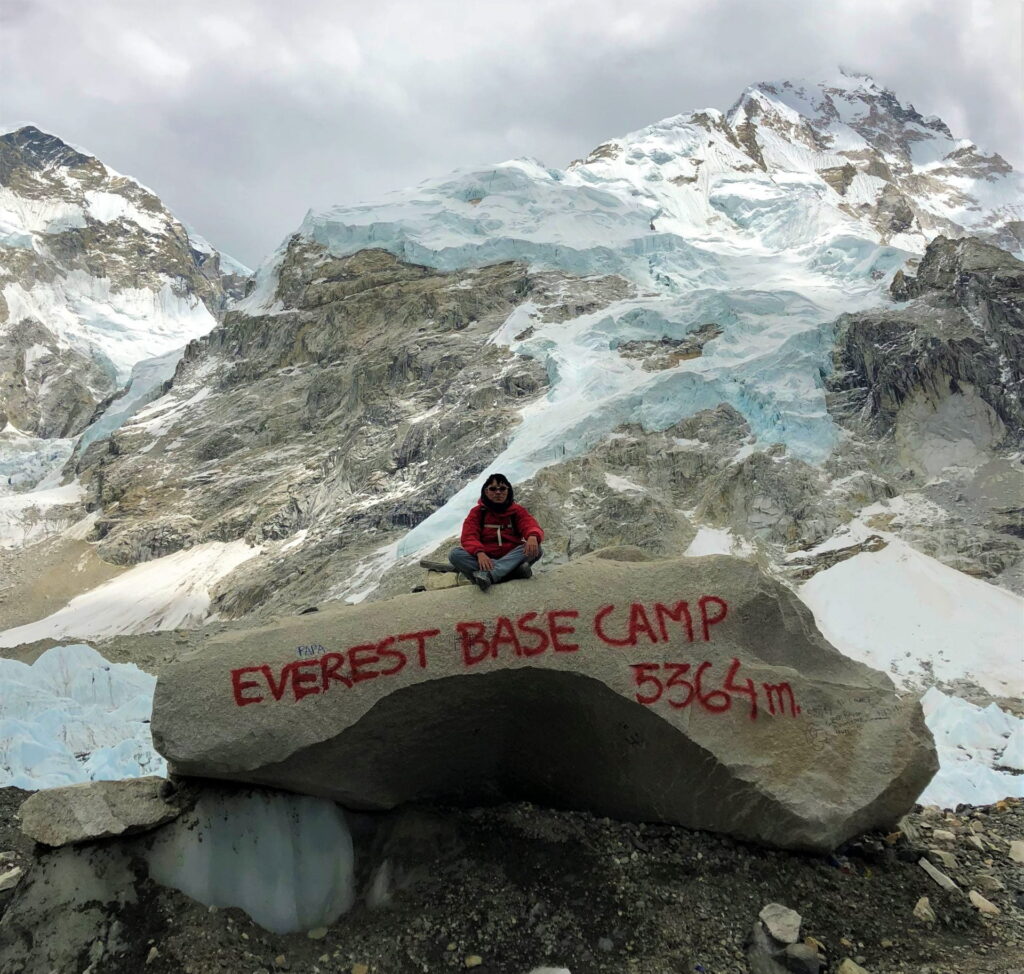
(695, 691)
(101, 809)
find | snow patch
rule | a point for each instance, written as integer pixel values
(172, 592)
(980, 749)
(623, 486)
(919, 620)
(717, 541)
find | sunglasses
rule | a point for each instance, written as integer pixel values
(500, 488)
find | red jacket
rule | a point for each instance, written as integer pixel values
(497, 534)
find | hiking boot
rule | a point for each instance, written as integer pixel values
(483, 580)
(524, 570)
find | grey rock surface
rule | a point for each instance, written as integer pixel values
(99, 810)
(63, 907)
(350, 415)
(781, 922)
(963, 331)
(723, 709)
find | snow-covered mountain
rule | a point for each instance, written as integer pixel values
(681, 334)
(96, 276)
(818, 171)
(790, 332)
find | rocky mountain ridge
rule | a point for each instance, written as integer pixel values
(690, 330)
(95, 276)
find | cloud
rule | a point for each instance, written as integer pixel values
(243, 114)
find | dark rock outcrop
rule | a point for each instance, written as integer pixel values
(963, 327)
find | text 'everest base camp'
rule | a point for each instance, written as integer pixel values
(758, 377)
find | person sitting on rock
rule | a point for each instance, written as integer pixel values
(500, 538)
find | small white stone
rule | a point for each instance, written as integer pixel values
(152, 955)
(940, 877)
(850, 967)
(940, 857)
(944, 835)
(317, 933)
(11, 878)
(983, 905)
(1017, 850)
(924, 912)
(782, 922)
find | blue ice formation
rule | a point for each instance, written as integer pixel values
(287, 860)
(72, 717)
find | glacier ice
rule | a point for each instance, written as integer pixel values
(287, 860)
(72, 717)
(981, 752)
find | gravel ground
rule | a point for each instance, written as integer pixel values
(507, 889)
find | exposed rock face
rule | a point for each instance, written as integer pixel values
(933, 389)
(669, 352)
(351, 413)
(694, 691)
(95, 275)
(47, 388)
(962, 335)
(99, 810)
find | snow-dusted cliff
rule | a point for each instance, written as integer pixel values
(96, 276)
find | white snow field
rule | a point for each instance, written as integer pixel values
(981, 752)
(121, 325)
(166, 593)
(920, 621)
(29, 517)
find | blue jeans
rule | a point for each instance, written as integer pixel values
(503, 567)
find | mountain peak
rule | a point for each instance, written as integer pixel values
(39, 150)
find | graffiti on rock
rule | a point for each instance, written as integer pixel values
(675, 685)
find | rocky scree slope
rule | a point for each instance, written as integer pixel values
(95, 275)
(513, 887)
(347, 415)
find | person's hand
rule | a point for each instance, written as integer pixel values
(484, 561)
(531, 547)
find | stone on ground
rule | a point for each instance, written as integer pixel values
(10, 878)
(693, 691)
(781, 922)
(938, 875)
(98, 810)
(924, 912)
(983, 905)
(850, 967)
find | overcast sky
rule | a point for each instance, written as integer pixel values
(243, 114)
